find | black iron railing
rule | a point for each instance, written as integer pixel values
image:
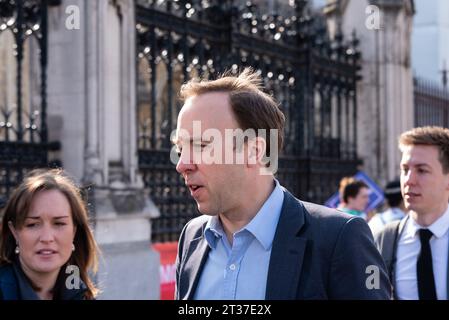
(431, 104)
(24, 141)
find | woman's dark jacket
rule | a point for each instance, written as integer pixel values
(14, 285)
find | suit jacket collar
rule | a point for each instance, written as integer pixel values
(198, 252)
(286, 254)
(392, 261)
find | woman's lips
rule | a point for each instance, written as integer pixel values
(46, 252)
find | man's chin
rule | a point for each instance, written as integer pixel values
(415, 208)
(410, 206)
(205, 210)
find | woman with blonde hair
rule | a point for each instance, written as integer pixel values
(47, 248)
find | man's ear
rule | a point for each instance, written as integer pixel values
(256, 151)
(13, 231)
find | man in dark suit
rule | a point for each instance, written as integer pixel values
(415, 248)
(255, 240)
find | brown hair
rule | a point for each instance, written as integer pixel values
(253, 108)
(16, 211)
(350, 187)
(429, 136)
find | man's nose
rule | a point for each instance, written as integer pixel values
(410, 178)
(185, 163)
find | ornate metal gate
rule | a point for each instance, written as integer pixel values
(23, 63)
(431, 104)
(314, 78)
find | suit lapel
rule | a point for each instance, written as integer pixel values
(397, 237)
(287, 252)
(447, 276)
(196, 258)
